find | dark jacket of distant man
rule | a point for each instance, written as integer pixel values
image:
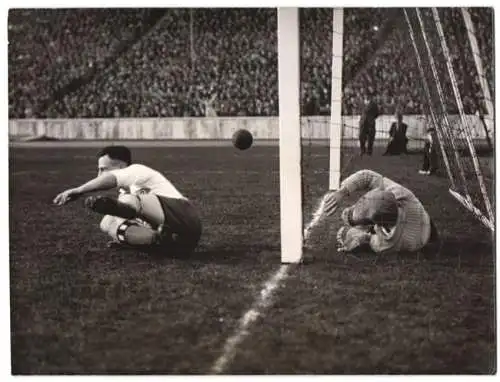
(367, 127)
(397, 137)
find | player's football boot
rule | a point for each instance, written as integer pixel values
(109, 206)
(165, 235)
(115, 244)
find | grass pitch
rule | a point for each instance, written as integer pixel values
(78, 307)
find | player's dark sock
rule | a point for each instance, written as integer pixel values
(108, 206)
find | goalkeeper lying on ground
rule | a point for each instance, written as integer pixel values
(388, 218)
(149, 211)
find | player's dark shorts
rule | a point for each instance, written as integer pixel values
(182, 222)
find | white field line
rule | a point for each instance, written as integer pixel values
(263, 302)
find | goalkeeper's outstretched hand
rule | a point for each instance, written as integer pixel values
(332, 200)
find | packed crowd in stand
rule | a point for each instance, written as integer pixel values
(182, 62)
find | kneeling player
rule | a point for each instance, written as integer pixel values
(149, 211)
(388, 218)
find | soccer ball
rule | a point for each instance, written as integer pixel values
(242, 139)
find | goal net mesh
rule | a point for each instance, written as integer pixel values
(446, 85)
(454, 101)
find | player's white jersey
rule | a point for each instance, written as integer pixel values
(138, 178)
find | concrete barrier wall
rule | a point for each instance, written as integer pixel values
(208, 128)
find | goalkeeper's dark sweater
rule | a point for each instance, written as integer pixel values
(413, 228)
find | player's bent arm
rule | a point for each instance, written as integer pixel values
(103, 182)
(363, 180)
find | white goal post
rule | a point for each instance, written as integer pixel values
(290, 146)
(336, 125)
(290, 143)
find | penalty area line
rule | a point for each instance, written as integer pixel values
(262, 303)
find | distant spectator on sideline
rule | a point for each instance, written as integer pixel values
(367, 125)
(429, 165)
(397, 137)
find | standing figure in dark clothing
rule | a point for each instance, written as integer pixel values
(430, 160)
(367, 126)
(397, 137)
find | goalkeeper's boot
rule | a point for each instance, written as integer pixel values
(109, 206)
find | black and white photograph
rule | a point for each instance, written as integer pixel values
(273, 190)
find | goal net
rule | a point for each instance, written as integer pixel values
(455, 87)
(442, 73)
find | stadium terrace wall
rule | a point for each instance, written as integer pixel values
(263, 128)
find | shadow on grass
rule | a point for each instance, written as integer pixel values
(451, 252)
(256, 254)
(233, 254)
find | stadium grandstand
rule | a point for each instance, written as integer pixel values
(193, 62)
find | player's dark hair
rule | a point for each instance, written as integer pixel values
(118, 153)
